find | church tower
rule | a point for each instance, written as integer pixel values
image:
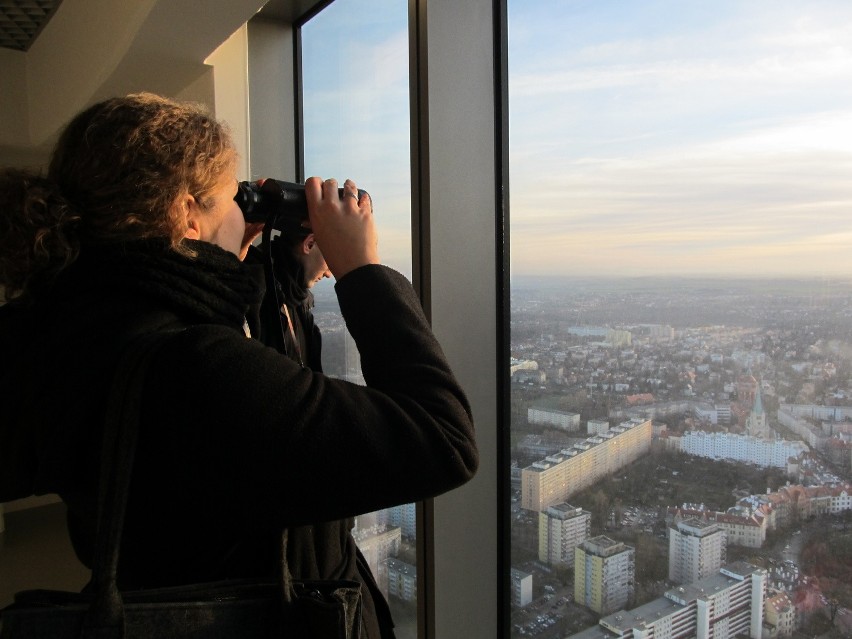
(756, 424)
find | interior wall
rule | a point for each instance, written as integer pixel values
(230, 92)
(94, 49)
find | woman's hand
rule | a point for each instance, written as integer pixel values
(343, 227)
(253, 230)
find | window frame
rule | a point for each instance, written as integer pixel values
(460, 254)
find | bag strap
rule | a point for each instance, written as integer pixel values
(105, 618)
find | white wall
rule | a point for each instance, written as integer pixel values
(94, 49)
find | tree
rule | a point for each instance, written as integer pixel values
(600, 510)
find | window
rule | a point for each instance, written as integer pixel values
(456, 208)
(356, 125)
(680, 314)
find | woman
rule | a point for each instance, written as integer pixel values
(133, 230)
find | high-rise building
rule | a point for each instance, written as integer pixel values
(561, 528)
(697, 549)
(378, 544)
(405, 517)
(402, 580)
(557, 477)
(726, 605)
(603, 574)
(522, 586)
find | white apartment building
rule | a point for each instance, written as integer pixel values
(697, 549)
(725, 605)
(818, 412)
(559, 418)
(743, 526)
(561, 528)
(604, 572)
(522, 587)
(741, 448)
(555, 478)
(597, 426)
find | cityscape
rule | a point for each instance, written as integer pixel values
(681, 454)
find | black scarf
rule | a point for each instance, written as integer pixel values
(212, 287)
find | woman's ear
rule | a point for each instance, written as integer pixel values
(308, 244)
(186, 208)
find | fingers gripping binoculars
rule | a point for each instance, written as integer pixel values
(278, 204)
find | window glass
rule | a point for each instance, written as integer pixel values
(356, 125)
(681, 319)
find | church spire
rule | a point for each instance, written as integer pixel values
(758, 401)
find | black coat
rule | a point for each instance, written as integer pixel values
(236, 440)
(324, 550)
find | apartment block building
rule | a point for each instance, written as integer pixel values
(557, 418)
(697, 549)
(522, 587)
(556, 478)
(561, 528)
(402, 580)
(741, 448)
(725, 605)
(597, 426)
(378, 544)
(780, 616)
(747, 523)
(604, 572)
(743, 526)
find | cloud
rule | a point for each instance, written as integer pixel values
(719, 146)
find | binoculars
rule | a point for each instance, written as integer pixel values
(278, 204)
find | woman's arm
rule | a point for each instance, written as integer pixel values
(272, 440)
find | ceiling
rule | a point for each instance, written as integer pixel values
(22, 20)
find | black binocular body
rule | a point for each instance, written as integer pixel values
(275, 202)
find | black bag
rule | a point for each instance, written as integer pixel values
(234, 609)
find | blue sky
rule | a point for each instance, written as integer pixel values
(682, 136)
(687, 137)
(355, 57)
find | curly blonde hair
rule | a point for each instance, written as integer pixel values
(115, 173)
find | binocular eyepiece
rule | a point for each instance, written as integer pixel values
(276, 203)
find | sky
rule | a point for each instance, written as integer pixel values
(356, 124)
(681, 137)
(647, 137)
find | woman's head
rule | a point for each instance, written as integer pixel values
(123, 169)
(123, 162)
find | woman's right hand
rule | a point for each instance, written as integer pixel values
(343, 227)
